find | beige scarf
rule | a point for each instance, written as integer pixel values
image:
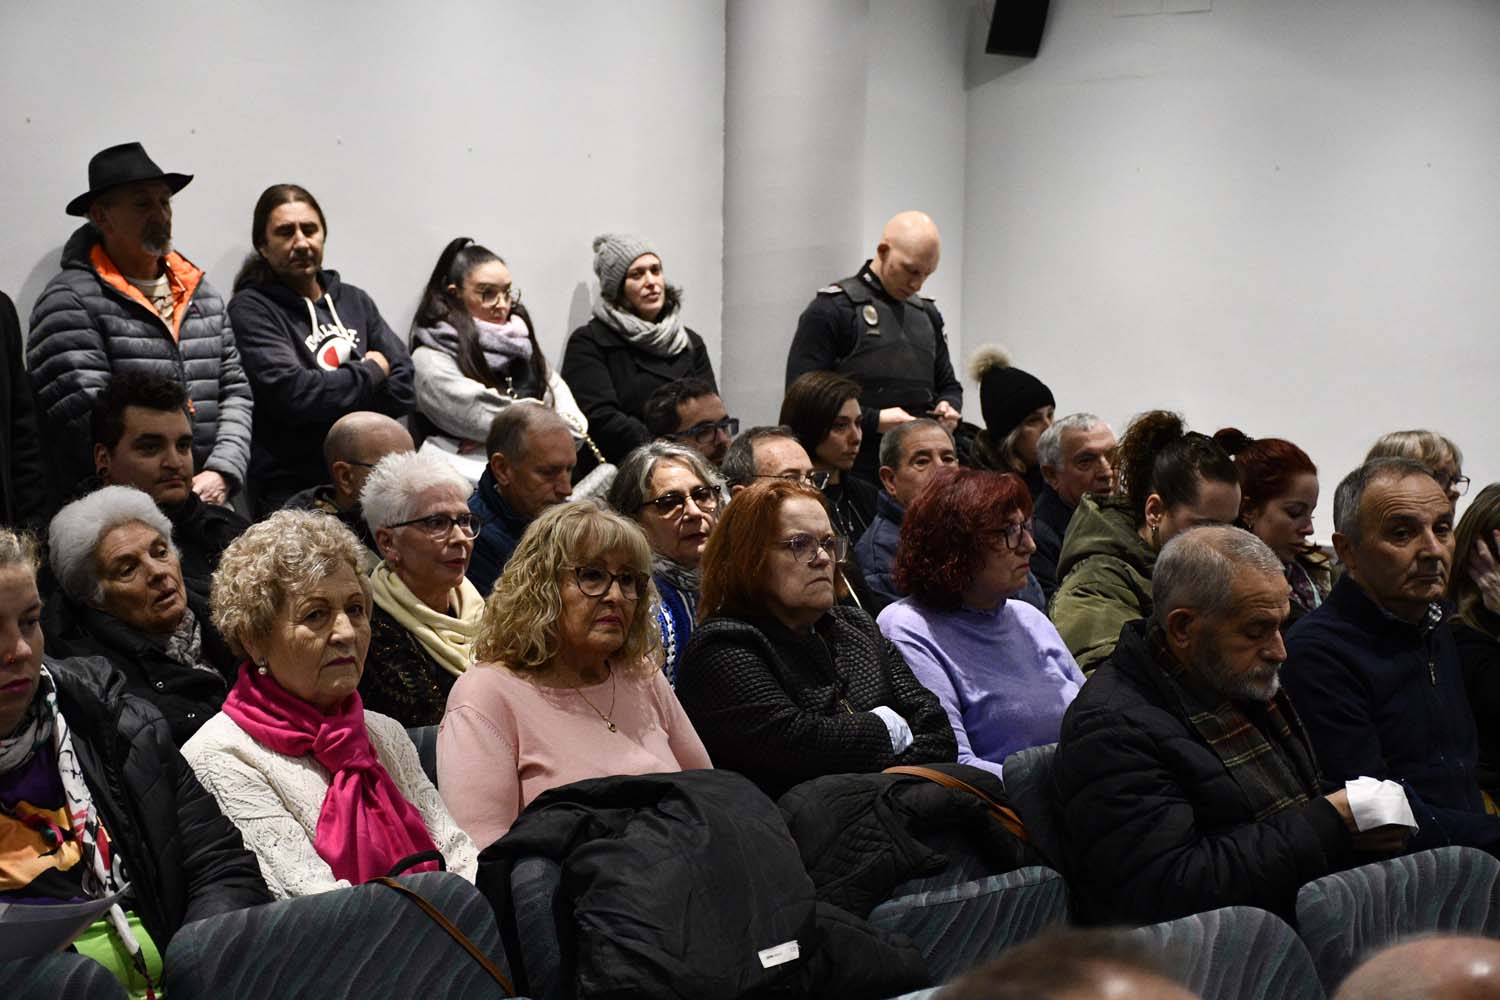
(448, 639)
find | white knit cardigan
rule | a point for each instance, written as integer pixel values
(275, 800)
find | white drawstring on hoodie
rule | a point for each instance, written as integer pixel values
(312, 319)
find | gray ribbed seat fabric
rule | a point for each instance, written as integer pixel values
(959, 927)
(368, 941)
(425, 740)
(1237, 953)
(1345, 916)
(1028, 783)
(61, 976)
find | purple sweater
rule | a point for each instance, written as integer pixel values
(1004, 678)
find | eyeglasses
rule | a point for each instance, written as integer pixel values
(1458, 484)
(705, 432)
(1011, 533)
(491, 296)
(706, 498)
(816, 478)
(438, 525)
(595, 582)
(805, 548)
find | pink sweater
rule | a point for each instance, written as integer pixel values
(506, 739)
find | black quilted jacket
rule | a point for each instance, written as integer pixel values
(82, 330)
(782, 708)
(185, 861)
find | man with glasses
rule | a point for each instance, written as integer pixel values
(689, 412)
(355, 444)
(531, 458)
(143, 437)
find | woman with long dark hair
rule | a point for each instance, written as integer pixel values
(475, 351)
(1474, 590)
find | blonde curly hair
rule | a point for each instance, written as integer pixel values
(283, 555)
(519, 627)
(18, 548)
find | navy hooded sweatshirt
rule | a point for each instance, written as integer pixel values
(306, 363)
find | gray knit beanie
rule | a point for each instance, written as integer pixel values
(613, 255)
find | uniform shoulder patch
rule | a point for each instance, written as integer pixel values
(830, 290)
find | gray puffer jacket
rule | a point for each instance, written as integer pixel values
(83, 329)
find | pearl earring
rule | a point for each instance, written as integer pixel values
(262, 669)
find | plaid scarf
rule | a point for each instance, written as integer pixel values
(1268, 757)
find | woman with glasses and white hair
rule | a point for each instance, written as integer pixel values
(475, 352)
(123, 598)
(426, 611)
(1436, 451)
(674, 495)
(567, 687)
(783, 684)
(325, 793)
(1002, 673)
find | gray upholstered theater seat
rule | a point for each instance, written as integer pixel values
(64, 975)
(1028, 784)
(1347, 915)
(1237, 953)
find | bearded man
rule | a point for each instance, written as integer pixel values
(1185, 778)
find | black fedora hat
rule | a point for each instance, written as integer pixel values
(122, 164)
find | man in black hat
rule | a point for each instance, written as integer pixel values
(877, 329)
(125, 300)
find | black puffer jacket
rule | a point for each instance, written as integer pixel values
(611, 379)
(782, 708)
(83, 330)
(185, 696)
(202, 532)
(24, 493)
(185, 861)
(1157, 828)
(674, 884)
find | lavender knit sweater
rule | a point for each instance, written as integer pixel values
(1004, 677)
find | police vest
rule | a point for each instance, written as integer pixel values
(895, 349)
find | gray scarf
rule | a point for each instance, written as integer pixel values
(185, 645)
(664, 338)
(501, 343)
(678, 575)
(34, 731)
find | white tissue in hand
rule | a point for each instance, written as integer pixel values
(1379, 803)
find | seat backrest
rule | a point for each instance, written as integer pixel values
(959, 927)
(361, 942)
(1347, 915)
(62, 975)
(534, 886)
(425, 739)
(1028, 783)
(1236, 953)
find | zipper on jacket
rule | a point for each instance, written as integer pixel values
(1432, 668)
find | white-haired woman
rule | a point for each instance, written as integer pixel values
(124, 599)
(426, 611)
(674, 495)
(326, 794)
(567, 687)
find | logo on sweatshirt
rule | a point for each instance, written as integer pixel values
(332, 346)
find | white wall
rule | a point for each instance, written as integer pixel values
(1279, 214)
(838, 115)
(528, 126)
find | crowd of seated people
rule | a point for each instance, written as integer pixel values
(224, 704)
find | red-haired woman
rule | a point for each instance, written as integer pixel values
(782, 684)
(997, 666)
(1278, 492)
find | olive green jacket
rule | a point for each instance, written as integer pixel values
(1105, 569)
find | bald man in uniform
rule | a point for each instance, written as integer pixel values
(353, 446)
(877, 329)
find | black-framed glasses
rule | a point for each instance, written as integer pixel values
(594, 581)
(1458, 484)
(816, 478)
(705, 432)
(490, 296)
(805, 548)
(705, 498)
(438, 525)
(1011, 533)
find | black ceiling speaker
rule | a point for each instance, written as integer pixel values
(1016, 28)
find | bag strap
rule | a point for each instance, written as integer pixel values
(453, 932)
(1004, 815)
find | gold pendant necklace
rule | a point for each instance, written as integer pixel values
(608, 721)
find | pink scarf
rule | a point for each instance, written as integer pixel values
(366, 825)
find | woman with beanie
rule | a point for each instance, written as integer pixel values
(1170, 480)
(1278, 492)
(475, 352)
(1017, 407)
(635, 343)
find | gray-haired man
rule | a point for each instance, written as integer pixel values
(1074, 454)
